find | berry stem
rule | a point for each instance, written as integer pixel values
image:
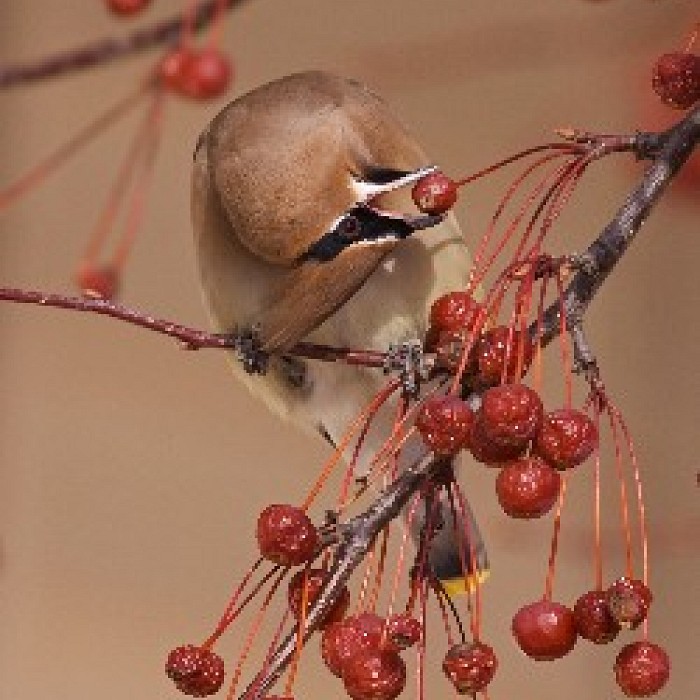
(28, 182)
(217, 25)
(301, 626)
(381, 565)
(549, 583)
(565, 345)
(598, 549)
(692, 38)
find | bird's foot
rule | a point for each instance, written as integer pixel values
(409, 360)
(249, 352)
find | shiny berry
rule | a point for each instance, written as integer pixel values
(545, 630)
(470, 667)
(173, 66)
(435, 193)
(98, 281)
(676, 79)
(567, 438)
(127, 7)
(286, 535)
(455, 311)
(195, 671)
(628, 600)
(527, 488)
(342, 640)
(511, 414)
(642, 669)
(206, 74)
(403, 630)
(444, 423)
(316, 578)
(492, 349)
(593, 619)
(488, 452)
(374, 675)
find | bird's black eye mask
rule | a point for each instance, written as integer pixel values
(363, 225)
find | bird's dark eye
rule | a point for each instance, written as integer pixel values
(349, 227)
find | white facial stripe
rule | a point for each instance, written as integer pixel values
(365, 191)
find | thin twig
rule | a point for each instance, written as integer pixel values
(108, 49)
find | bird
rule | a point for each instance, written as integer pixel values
(305, 231)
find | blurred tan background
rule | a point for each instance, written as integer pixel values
(131, 473)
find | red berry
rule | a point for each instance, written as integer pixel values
(195, 671)
(286, 535)
(567, 438)
(374, 675)
(455, 311)
(628, 600)
(492, 349)
(545, 630)
(449, 348)
(98, 281)
(488, 452)
(343, 640)
(527, 488)
(435, 193)
(173, 68)
(127, 7)
(593, 619)
(444, 423)
(511, 414)
(676, 79)
(403, 630)
(206, 74)
(316, 579)
(470, 667)
(642, 669)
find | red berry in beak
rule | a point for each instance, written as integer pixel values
(435, 193)
(286, 535)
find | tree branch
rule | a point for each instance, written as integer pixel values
(108, 49)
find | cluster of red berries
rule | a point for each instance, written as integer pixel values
(546, 630)
(509, 429)
(199, 74)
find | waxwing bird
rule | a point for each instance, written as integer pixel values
(304, 230)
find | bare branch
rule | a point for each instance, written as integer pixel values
(108, 49)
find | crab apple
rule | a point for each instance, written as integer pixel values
(628, 600)
(593, 619)
(196, 671)
(566, 439)
(374, 675)
(342, 640)
(527, 488)
(97, 281)
(127, 7)
(676, 79)
(545, 630)
(206, 74)
(489, 453)
(403, 630)
(511, 414)
(470, 667)
(642, 669)
(444, 423)
(455, 311)
(492, 349)
(316, 578)
(286, 535)
(434, 193)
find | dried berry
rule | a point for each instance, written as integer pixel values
(488, 452)
(545, 630)
(676, 79)
(470, 667)
(286, 535)
(494, 347)
(642, 669)
(527, 488)
(511, 415)
(444, 423)
(355, 634)
(593, 619)
(195, 671)
(403, 630)
(316, 578)
(435, 193)
(374, 675)
(455, 311)
(628, 600)
(567, 438)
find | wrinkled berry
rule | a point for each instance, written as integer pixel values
(195, 671)
(567, 438)
(444, 423)
(470, 667)
(492, 349)
(527, 488)
(511, 414)
(676, 79)
(628, 600)
(593, 619)
(286, 535)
